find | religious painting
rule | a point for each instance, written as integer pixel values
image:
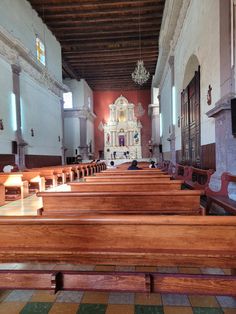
(121, 140)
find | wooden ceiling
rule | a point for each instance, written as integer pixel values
(100, 39)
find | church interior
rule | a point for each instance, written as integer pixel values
(118, 156)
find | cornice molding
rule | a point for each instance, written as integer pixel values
(223, 104)
(79, 113)
(15, 54)
(173, 19)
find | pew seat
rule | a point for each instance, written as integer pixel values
(161, 202)
(182, 241)
(132, 186)
(125, 178)
(15, 186)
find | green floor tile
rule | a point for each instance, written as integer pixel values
(37, 308)
(148, 309)
(207, 310)
(92, 309)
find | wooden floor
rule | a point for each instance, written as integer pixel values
(68, 302)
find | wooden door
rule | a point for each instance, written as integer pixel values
(190, 121)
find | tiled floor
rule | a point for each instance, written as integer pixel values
(68, 302)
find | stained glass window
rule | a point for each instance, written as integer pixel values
(40, 48)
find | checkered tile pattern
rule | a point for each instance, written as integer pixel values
(71, 302)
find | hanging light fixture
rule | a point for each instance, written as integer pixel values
(140, 74)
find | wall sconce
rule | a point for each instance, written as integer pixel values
(1, 125)
(59, 138)
(32, 132)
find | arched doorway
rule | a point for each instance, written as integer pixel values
(190, 113)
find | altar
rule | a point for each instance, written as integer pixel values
(122, 132)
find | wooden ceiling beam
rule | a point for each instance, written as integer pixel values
(82, 41)
(81, 14)
(104, 51)
(104, 27)
(110, 44)
(92, 37)
(99, 32)
(104, 57)
(63, 5)
(69, 70)
(105, 20)
(100, 40)
(110, 62)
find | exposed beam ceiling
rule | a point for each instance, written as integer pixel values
(100, 39)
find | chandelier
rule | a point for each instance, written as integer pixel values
(140, 74)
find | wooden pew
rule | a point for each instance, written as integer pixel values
(130, 172)
(35, 181)
(2, 194)
(128, 178)
(72, 203)
(133, 186)
(221, 197)
(15, 187)
(198, 179)
(182, 241)
(49, 175)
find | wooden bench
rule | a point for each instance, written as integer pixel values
(125, 178)
(120, 240)
(198, 179)
(49, 175)
(181, 172)
(2, 195)
(35, 181)
(72, 203)
(130, 172)
(133, 186)
(221, 197)
(15, 186)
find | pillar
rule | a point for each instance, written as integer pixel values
(83, 138)
(20, 158)
(225, 142)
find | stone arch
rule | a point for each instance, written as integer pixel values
(190, 69)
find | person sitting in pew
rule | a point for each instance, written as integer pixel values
(134, 166)
(152, 164)
(10, 168)
(112, 165)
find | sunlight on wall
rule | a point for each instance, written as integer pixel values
(160, 124)
(13, 115)
(173, 105)
(67, 97)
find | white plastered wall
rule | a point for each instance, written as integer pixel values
(19, 19)
(199, 36)
(6, 108)
(71, 135)
(165, 101)
(81, 93)
(41, 111)
(41, 108)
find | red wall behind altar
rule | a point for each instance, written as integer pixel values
(102, 99)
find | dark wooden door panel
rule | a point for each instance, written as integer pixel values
(190, 121)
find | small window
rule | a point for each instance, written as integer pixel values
(67, 97)
(40, 48)
(89, 102)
